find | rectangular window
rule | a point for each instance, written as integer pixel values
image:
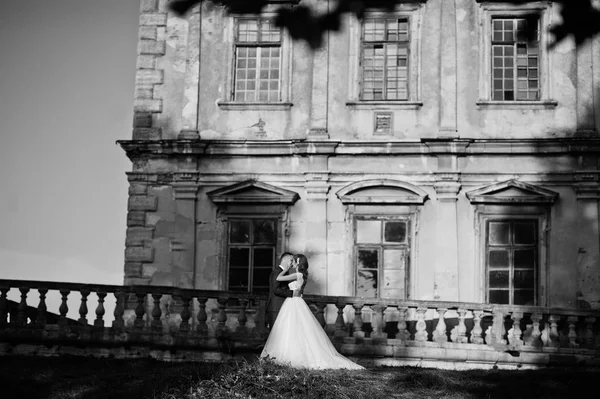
(515, 58)
(251, 254)
(512, 261)
(382, 257)
(257, 61)
(384, 59)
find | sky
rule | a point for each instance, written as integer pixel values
(67, 70)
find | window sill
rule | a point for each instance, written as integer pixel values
(262, 106)
(377, 105)
(546, 104)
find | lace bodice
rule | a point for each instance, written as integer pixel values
(297, 284)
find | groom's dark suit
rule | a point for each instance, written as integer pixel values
(278, 291)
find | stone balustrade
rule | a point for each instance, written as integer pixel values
(178, 324)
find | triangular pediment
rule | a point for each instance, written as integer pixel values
(382, 191)
(252, 191)
(512, 192)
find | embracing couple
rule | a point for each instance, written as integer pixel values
(296, 338)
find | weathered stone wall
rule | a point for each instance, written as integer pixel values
(183, 83)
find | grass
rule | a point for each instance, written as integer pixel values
(78, 377)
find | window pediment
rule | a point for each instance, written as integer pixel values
(512, 192)
(382, 192)
(252, 191)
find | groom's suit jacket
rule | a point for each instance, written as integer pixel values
(278, 291)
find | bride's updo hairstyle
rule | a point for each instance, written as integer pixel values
(302, 268)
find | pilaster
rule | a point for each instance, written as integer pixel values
(320, 83)
(585, 90)
(448, 62)
(191, 85)
(446, 270)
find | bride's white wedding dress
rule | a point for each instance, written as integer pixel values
(298, 340)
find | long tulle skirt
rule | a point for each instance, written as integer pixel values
(298, 340)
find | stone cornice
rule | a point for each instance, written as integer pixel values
(136, 149)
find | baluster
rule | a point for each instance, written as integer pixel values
(156, 324)
(42, 308)
(536, 333)
(572, 333)
(421, 334)
(403, 333)
(358, 321)
(99, 322)
(553, 337)
(242, 318)
(22, 309)
(222, 318)
(340, 326)
(515, 337)
(321, 313)
(63, 309)
(495, 333)
(379, 325)
(184, 327)
(202, 316)
(589, 332)
(83, 310)
(461, 329)
(3, 305)
(140, 310)
(477, 330)
(118, 323)
(439, 335)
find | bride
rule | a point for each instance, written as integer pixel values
(297, 338)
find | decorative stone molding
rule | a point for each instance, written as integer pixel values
(317, 185)
(318, 134)
(359, 193)
(447, 190)
(512, 192)
(252, 191)
(587, 192)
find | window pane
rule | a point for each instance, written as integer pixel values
(499, 296)
(368, 259)
(239, 231)
(524, 297)
(238, 279)
(264, 232)
(498, 258)
(239, 257)
(260, 278)
(394, 259)
(525, 233)
(499, 233)
(498, 278)
(395, 232)
(368, 231)
(393, 283)
(366, 283)
(263, 257)
(524, 279)
(525, 258)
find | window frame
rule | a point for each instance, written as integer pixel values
(488, 246)
(251, 245)
(486, 213)
(227, 102)
(414, 13)
(489, 11)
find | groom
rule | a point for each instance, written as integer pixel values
(278, 290)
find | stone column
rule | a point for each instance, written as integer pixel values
(448, 62)
(446, 268)
(588, 253)
(183, 242)
(191, 84)
(320, 83)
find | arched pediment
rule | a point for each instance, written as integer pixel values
(382, 191)
(252, 191)
(512, 192)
